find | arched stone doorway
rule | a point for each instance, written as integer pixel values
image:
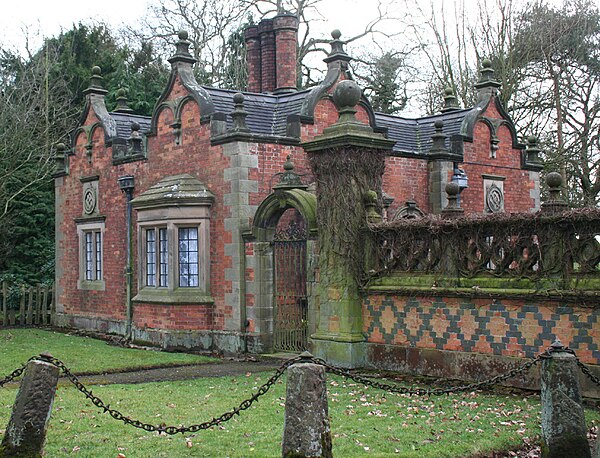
(283, 259)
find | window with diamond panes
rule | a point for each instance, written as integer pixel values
(188, 257)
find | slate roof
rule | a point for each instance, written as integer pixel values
(414, 135)
(124, 120)
(267, 115)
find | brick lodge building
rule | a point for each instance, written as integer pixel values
(196, 227)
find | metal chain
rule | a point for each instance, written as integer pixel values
(263, 389)
(421, 391)
(171, 430)
(16, 373)
(586, 371)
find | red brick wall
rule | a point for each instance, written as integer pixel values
(507, 163)
(406, 179)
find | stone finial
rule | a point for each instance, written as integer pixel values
(486, 76)
(288, 179)
(438, 146)
(337, 48)
(346, 96)
(239, 114)
(453, 208)
(555, 202)
(96, 82)
(135, 140)
(450, 100)
(182, 49)
(60, 158)
(122, 106)
(533, 150)
(370, 200)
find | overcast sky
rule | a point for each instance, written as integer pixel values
(41, 18)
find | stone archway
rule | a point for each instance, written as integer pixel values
(283, 246)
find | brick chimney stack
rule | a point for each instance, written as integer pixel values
(253, 57)
(271, 50)
(285, 27)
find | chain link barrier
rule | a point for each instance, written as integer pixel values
(17, 372)
(171, 430)
(588, 373)
(263, 389)
(422, 391)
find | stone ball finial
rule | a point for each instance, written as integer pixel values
(61, 147)
(439, 124)
(554, 180)
(183, 34)
(121, 92)
(452, 188)
(238, 98)
(336, 34)
(96, 71)
(288, 165)
(448, 91)
(135, 126)
(487, 63)
(346, 94)
(532, 140)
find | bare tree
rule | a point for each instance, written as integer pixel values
(30, 104)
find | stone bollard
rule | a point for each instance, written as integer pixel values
(563, 423)
(306, 431)
(26, 430)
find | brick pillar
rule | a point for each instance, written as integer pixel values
(253, 53)
(285, 27)
(267, 55)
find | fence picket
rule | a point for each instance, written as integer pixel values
(22, 307)
(45, 318)
(4, 304)
(30, 306)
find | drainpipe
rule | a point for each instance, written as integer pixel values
(126, 183)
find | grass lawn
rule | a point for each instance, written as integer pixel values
(364, 422)
(81, 354)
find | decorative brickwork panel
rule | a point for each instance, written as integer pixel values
(501, 328)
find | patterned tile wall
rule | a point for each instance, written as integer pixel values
(507, 328)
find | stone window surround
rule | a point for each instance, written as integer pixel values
(85, 226)
(172, 218)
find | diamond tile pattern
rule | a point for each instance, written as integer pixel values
(482, 326)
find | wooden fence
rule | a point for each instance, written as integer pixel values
(26, 306)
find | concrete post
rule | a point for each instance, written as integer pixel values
(306, 431)
(26, 430)
(563, 423)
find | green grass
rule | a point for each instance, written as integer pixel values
(364, 422)
(81, 354)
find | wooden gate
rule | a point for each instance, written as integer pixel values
(291, 302)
